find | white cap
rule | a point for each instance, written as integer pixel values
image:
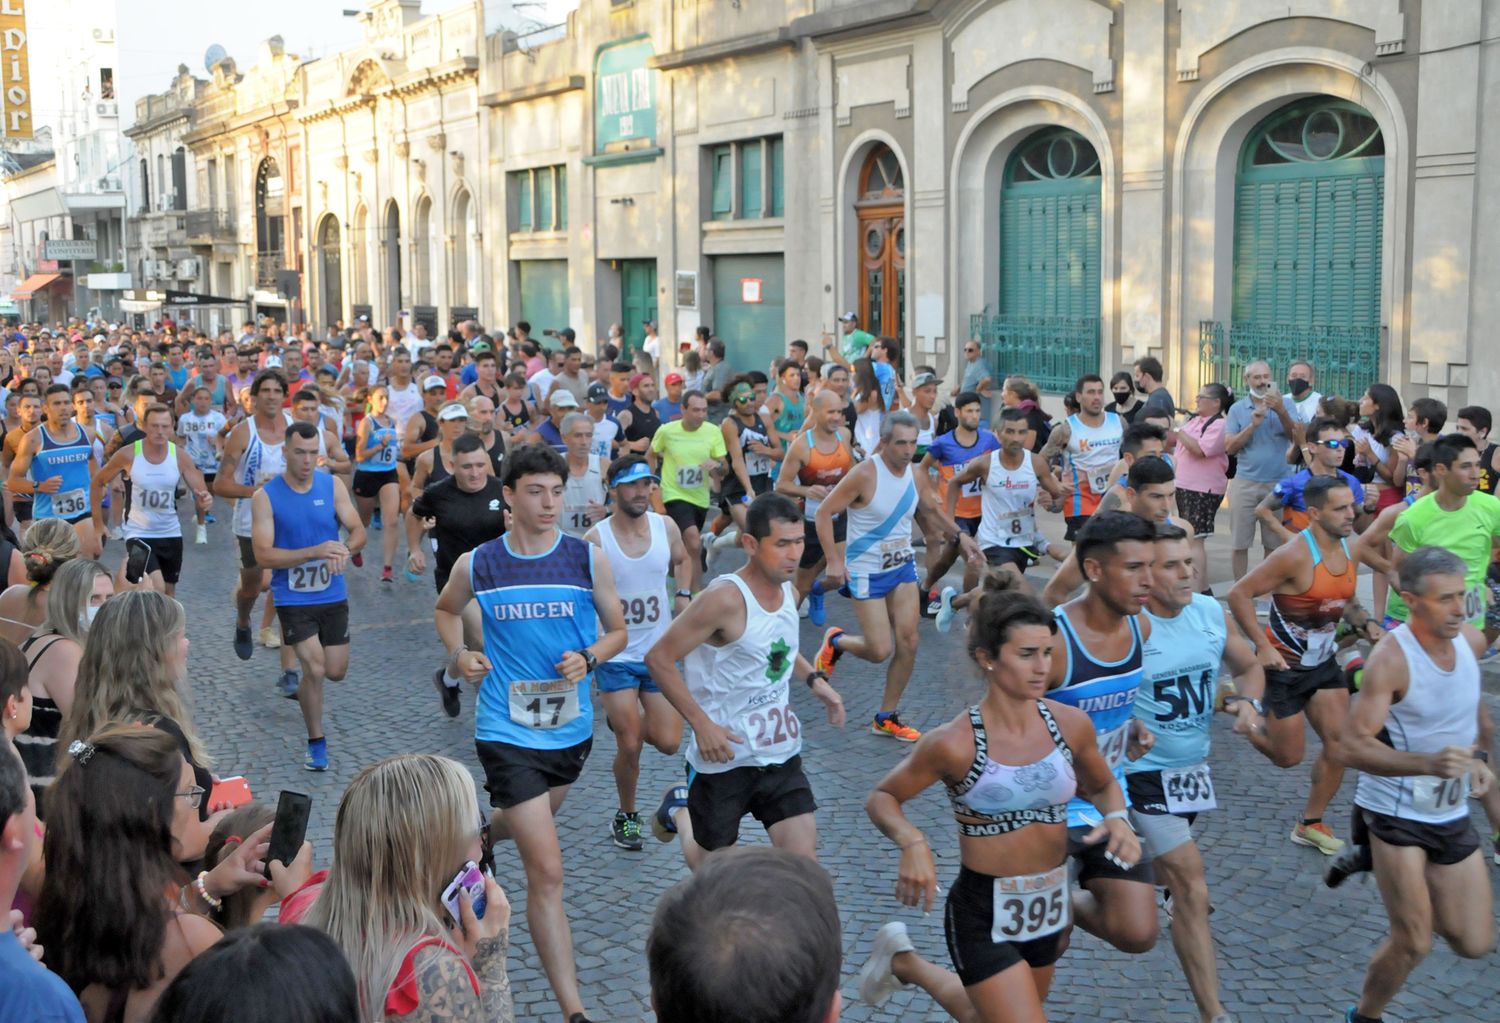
(563, 398)
(273, 362)
(452, 412)
(434, 381)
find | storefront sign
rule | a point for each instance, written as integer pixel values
(624, 94)
(15, 71)
(750, 290)
(70, 248)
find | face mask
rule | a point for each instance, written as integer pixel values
(1298, 387)
(89, 614)
(1121, 397)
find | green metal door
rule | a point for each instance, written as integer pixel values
(1048, 324)
(544, 296)
(754, 332)
(1309, 199)
(637, 299)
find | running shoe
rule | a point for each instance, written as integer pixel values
(817, 613)
(729, 538)
(890, 724)
(386, 576)
(357, 560)
(447, 692)
(244, 644)
(579, 1017)
(944, 618)
(877, 981)
(1352, 859)
(625, 829)
(208, 517)
(663, 826)
(288, 684)
(828, 654)
(201, 534)
(931, 604)
(317, 755)
(411, 576)
(270, 638)
(1319, 836)
(375, 522)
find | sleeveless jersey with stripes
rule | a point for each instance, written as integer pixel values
(1092, 452)
(880, 531)
(71, 460)
(823, 469)
(1302, 625)
(1008, 503)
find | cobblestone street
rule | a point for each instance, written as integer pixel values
(1290, 948)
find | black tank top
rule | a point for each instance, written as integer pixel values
(515, 420)
(643, 422)
(439, 471)
(497, 455)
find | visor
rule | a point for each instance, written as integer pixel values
(451, 413)
(637, 471)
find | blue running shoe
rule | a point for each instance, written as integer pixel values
(288, 684)
(815, 610)
(662, 824)
(317, 755)
(208, 518)
(375, 522)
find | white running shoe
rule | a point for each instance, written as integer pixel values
(729, 538)
(876, 981)
(202, 535)
(944, 616)
(270, 637)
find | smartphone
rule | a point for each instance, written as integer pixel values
(470, 879)
(137, 557)
(292, 811)
(233, 792)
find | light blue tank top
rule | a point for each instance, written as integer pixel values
(70, 461)
(372, 457)
(1180, 672)
(305, 520)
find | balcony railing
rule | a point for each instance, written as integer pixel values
(266, 265)
(1051, 351)
(208, 226)
(1346, 359)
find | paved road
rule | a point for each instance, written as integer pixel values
(1290, 949)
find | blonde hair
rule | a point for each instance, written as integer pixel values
(124, 676)
(67, 598)
(1021, 388)
(47, 545)
(399, 837)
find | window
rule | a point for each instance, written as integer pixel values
(541, 196)
(747, 179)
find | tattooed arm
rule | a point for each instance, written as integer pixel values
(447, 994)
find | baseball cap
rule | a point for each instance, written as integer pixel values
(922, 379)
(849, 317)
(272, 362)
(480, 346)
(452, 412)
(637, 380)
(673, 378)
(634, 472)
(434, 382)
(563, 399)
(598, 394)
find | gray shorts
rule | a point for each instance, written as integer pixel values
(1244, 496)
(1160, 833)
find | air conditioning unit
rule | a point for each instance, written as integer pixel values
(104, 109)
(161, 269)
(187, 269)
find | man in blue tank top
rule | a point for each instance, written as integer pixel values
(1096, 667)
(55, 463)
(294, 531)
(1191, 638)
(542, 595)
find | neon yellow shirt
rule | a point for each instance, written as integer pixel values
(683, 454)
(1468, 532)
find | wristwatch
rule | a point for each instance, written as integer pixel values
(813, 676)
(590, 662)
(1255, 704)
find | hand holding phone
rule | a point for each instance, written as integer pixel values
(469, 881)
(229, 794)
(470, 931)
(289, 829)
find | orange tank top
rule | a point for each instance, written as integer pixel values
(1302, 625)
(822, 469)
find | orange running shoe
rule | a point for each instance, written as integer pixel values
(828, 654)
(890, 724)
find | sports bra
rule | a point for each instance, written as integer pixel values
(1008, 797)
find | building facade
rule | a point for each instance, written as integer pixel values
(1077, 183)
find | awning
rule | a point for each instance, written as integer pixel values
(188, 298)
(33, 284)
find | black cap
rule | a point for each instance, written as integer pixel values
(598, 394)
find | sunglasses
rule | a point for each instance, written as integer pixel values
(1332, 445)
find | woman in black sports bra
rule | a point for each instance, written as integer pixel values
(1008, 914)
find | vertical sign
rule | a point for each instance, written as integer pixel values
(624, 94)
(15, 71)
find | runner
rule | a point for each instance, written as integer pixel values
(482, 422)
(154, 469)
(421, 433)
(639, 418)
(1411, 735)
(1091, 440)
(738, 656)
(689, 451)
(549, 430)
(29, 415)
(436, 463)
(404, 397)
(948, 453)
(1283, 510)
(584, 499)
(332, 458)
(1191, 642)
(643, 549)
(784, 411)
(882, 499)
(54, 464)
(516, 413)
(377, 448)
(201, 432)
(816, 462)
(486, 383)
(543, 595)
(295, 533)
(1007, 919)
(1140, 440)
(1311, 584)
(1096, 667)
(753, 455)
(254, 449)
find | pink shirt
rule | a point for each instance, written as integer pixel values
(1204, 474)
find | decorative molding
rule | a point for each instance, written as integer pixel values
(341, 162)
(403, 150)
(795, 115)
(1204, 26)
(437, 142)
(1446, 165)
(372, 156)
(1072, 32)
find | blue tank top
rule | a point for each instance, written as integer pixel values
(305, 520)
(1180, 673)
(1106, 693)
(70, 461)
(551, 437)
(535, 609)
(374, 458)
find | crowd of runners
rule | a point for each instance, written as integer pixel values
(608, 523)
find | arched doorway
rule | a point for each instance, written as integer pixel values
(1309, 198)
(421, 253)
(330, 269)
(270, 209)
(392, 245)
(359, 271)
(464, 289)
(881, 211)
(1047, 327)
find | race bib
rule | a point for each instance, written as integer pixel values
(641, 610)
(895, 553)
(1112, 745)
(1319, 646)
(543, 703)
(690, 477)
(69, 503)
(1099, 481)
(973, 488)
(1474, 603)
(309, 577)
(158, 500)
(758, 465)
(771, 728)
(1433, 795)
(577, 520)
(1189, 789)
(1031, 906)
(1018, 526)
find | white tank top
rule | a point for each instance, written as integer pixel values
(405, 402)
(867, 430)
(322, 437)
(1008, 504)
(880, 532)
(1440, 709)
(642, 585)
(1093, 451)
(153, 495)
(742, 686)
(578, 493)
(259, 463)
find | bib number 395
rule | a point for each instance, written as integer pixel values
(1031, 906)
